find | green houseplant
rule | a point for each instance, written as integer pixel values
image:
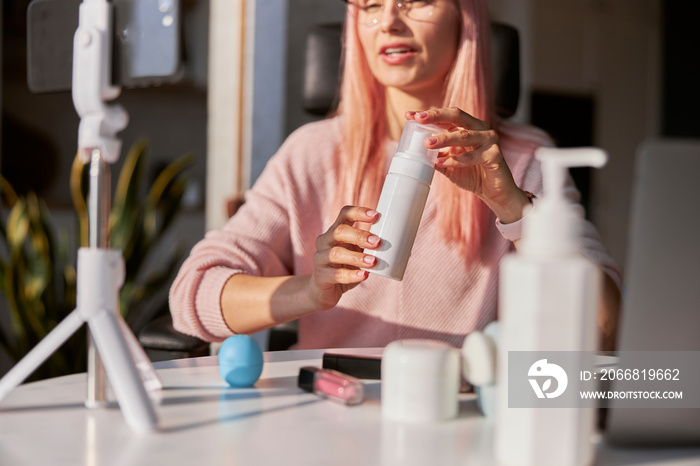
(37, 270)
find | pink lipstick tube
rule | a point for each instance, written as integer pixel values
(331, 385)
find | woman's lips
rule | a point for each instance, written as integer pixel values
(397, 54)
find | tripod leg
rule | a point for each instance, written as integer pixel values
(96, 377)
(40, 352)
(100, 275)
(143, 364)
(121, 371)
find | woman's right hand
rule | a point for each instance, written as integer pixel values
(339, 256)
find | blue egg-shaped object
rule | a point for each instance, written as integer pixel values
(240, 361)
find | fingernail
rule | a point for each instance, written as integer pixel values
(361, 273)
(422, 114)
(373, 239)
(368, 259)
(410, 113)
(431, 140)
(371, 213)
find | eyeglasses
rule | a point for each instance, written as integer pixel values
(369, 12)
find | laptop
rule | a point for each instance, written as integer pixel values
(661, 310)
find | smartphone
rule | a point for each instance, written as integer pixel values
(146, 43)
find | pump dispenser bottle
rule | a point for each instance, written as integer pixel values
(402, 200)
(548, 302)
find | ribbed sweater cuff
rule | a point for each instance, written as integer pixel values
(209, 301)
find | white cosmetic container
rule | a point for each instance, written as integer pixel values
(548, 302)
(402, 200)
(420, 381)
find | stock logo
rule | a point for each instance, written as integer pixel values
(544, 371)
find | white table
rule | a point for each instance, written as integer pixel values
(204, 422)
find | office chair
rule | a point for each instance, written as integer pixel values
(321, 78)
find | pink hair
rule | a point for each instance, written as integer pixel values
(461, 215)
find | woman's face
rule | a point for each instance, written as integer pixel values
(412, 53)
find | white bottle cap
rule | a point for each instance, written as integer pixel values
(412, 142)
(412, 158)
(420, 381)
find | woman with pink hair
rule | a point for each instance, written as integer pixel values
(294, 252)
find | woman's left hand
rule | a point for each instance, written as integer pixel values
(472, 159)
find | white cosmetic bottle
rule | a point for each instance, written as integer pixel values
(548, 302)
(402, 200)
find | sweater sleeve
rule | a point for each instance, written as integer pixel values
(255, 241)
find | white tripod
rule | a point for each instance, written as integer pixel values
(100, 270)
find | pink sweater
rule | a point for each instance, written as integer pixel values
(273, 234)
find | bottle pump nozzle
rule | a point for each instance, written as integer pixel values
(555, 162)
(553, 227)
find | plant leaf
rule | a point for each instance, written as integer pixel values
(163, 183)
(131, 175)
(154, 284)
(6, 191)
(39, 254)
(17, 226)
(126, 207)
(15, 305)
(171, 205)
(166, 194)
(28, 309)
(9, 197)
(78, 192)
(69, 286)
